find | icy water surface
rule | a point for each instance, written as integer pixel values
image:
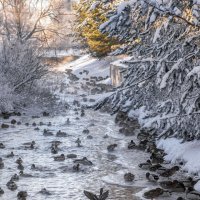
(58, 177)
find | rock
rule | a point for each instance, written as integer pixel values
(4, 126)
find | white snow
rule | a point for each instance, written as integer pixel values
(195, 70)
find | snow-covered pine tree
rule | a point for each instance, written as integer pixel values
(161, 87)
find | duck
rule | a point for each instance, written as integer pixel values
(170, 172)
(68, 121)
(192, 194)
(44, 191)
(10, 155)
(11, 185)
(189, 182)
(34, 124)
(102, 195)
(22, 195)
(49, 124)
(47, 133)
(76, 167)
(15, 177)
(129, 177)
(111, 147)
(82, 113)
(1, 191)
(142, 136)
(131, 145)
(13, 121)
(86, 131)
(37, 129)
(54, 150)
(105, 136)
(155, 167)
(83, 161)
(156, 158)
(155, 193)
(22, 174)
(20, 167)
(142, 144)
(71, 155)
(180, 198)
(78, 141)
(174, 186)
(2, 146)
(29, 143)
(1, 163)
(60, 158)
(161, 169)
(90, 137)
(41, 123)
(152, 177)
(145, 165)
(61, 134)
(19, 161)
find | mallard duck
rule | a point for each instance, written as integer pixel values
(102, 195)
(90, 137)
(189, 182)
(71, 155)
(76, 167)
(156, 158)
(86, 131)
(2, 146)
(49, 124)
(20, 167)
(145, 165)
(111, 147)
(155, 193)
(60, 158)
(54, 150)
(129, 177)
(61, 134)
(78, 142)
(180, 198)
(4, 126)
(15, 177)
(1, 191)
(22, 174)
(47, 133)
(161, 169)
(143, 144)
(152, 177)
(19, 123)
(131, 145)
(155, 167)
(13, 121)
(83, 161)
(105, 136)
(22, 195)
(170, 172)
(27, 124)
(192, 194)
(37, 129)
(44, 191)
(19, 161)
(142, 136)
(11, 185)
(41, 123)
(174, 186)
(34, 124)
(10, 155)
(1, 163)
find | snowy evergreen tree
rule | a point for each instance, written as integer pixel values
(161, 84)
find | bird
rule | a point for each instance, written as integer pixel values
(78, 142)
(44, 191)
(10, 155)
(60, 158)
(15, 177)
(111, 147)
(22, 195)
(152, 177)
(155, 193)
(192, 194)
(86, 131)
(1, 163)
(83, 161)
(170, 172)
(11, 185)
(102, 195)
(76, 167)
(61, 134)
(155, 167)
(22, 174)
(20, 167)
(47, 133)
(129, 177)
(1, 191)
(131, 145)
(145, 165)
(19, 161)
(174, 186)
(2, 146)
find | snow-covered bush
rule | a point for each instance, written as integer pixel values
(20, 67)
(162, 80)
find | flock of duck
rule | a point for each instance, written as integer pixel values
(156, 171)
